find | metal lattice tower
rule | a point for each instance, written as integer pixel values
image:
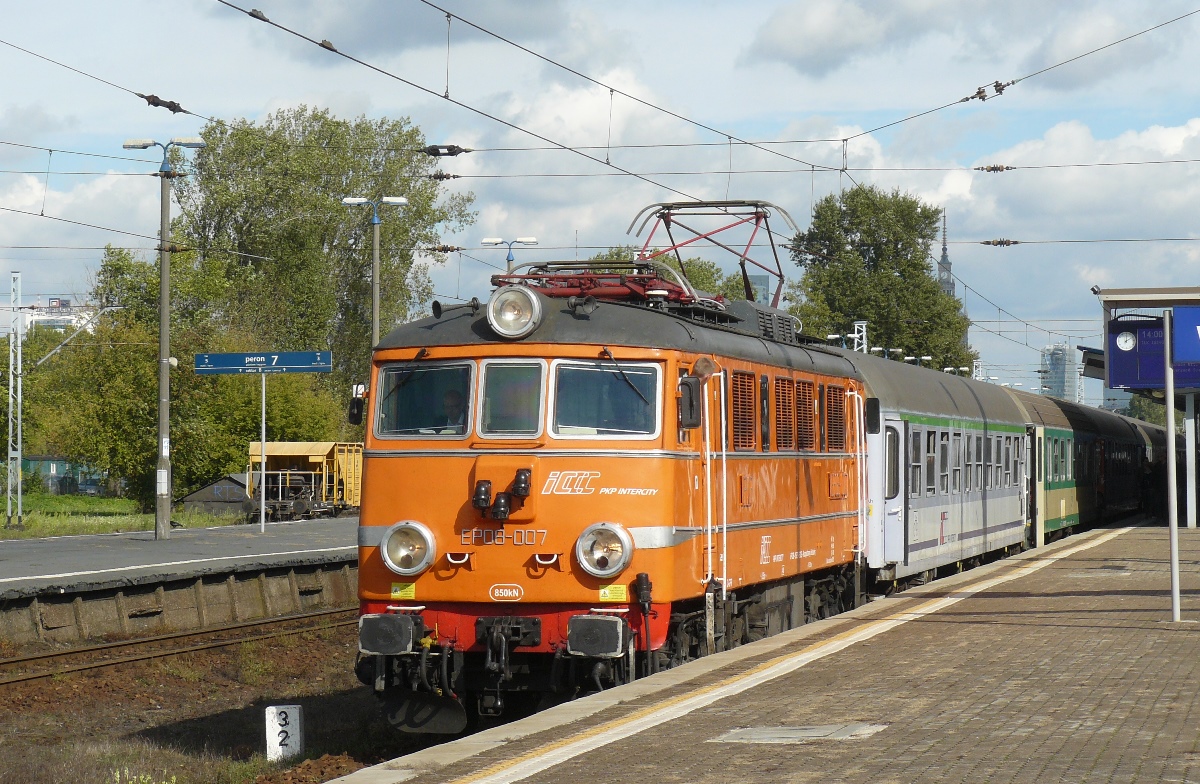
(860, 337)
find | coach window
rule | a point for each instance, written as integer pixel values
(424, 401)
(1008, 461)
(511, 404)
(892, 448)
(956, 457)
(970, 457)
(598, 399)
(998, 463)
(978, 462)
(987, 462)
(944, 463)
(764, 412)
(930, 462)
(914, 464)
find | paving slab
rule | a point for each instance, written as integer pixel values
(1061, 664)
(74, 564)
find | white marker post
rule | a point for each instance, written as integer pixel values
(1172, 469)
(285, 732)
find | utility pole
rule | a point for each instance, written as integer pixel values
(17, 323)
(162, 494)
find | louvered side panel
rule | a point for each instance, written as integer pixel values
(743, 410)
(806, 415)
(785, 414)
(835, 405)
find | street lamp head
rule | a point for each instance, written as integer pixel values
(526, 240)
(948, 369)
(191, 142)
(354, 201)
(491, 241)
(138, 144)
(833, 337)
(398, 201)
(926, 359)
(965, 369)
(876, 348)
(909, 358)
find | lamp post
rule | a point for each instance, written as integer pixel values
(353, 201)
(162, 474)
(509, 243)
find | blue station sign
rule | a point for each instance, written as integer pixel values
(1185, 336)
(1134, 355)
(265, 362)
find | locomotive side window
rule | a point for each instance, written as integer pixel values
(764, 412)
(424, 401)
(914, 465)
(742, 401)
(598, 399)
(806, 416)
(511, 405)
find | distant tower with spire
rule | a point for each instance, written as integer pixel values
(945, 276)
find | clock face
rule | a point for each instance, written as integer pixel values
(1126, 341)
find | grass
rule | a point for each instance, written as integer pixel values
(74, 515)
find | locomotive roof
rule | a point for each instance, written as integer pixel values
(626, 324)
(903, 387)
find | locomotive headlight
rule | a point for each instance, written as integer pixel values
(408, 548)
(604, 549)
(514, 311)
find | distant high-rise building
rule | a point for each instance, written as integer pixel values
(1060, 372)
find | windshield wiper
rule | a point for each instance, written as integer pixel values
(405, 378)
(622, 372)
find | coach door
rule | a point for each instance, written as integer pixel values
(895, 528)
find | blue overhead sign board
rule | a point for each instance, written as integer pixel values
(265, 362)
(1135, 354)
(1185, 337)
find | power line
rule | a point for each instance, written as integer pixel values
(612, 90)
(89, 173)
(325, 44)
(151, 100)
(72, 152)
(999, 87)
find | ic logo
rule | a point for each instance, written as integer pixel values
(570, 482)
(506, 593)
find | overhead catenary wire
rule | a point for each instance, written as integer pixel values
(150, 99)
(326, 45)
(76, 152)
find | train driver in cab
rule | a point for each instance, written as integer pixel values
(454, 412)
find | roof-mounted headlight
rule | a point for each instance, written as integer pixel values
(604, 549)
(408, 548)
(514, 311)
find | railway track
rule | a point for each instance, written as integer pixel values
(45, 665)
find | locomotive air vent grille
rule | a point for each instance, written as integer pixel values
(766, 325)
(835, 404)
(743, 410)
(806, 416)
(785, 414)
(785, 329)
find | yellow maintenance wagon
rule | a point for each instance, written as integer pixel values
(305, 479)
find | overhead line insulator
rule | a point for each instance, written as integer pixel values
(995, 167)
(1001, 243)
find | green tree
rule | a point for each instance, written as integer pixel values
(1144, 408)
(867, 257)
(285, 260)
(96, 402)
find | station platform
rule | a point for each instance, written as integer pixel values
(83, 564)
(1060, 664)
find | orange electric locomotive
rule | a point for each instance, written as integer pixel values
(598, 473)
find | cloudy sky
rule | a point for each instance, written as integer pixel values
(776, 72)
